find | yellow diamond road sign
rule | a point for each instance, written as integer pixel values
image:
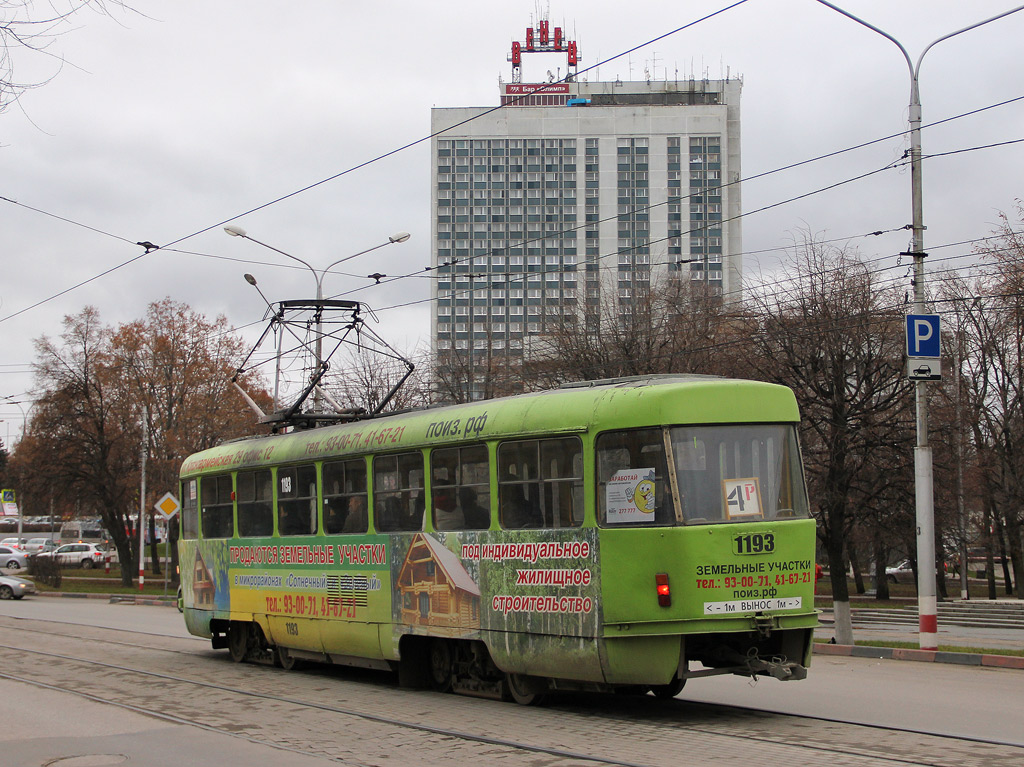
(168, 505)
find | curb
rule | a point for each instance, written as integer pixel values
(123, 599)
(923, 656)
(155, 601)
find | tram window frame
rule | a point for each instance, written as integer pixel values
(292, 507)
(766, 452)
(609, 460)
(342, 510)
(534, 491)
(255, 501)
(216, 496)
(399, 498)
(460, 477)
(190, 509)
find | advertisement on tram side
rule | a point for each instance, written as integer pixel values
(438, 584)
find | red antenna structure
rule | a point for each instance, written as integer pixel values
(540, 40)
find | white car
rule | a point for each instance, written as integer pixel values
(77, 555)
(39, 545)
(15, 588)
(14, 542)
(901, 572)
(12, 558)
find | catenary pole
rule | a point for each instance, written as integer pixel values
(927, 602)
(142, 499)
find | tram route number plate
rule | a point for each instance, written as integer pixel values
(752, 605)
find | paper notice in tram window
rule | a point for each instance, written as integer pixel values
(630, 496)
(742, 498)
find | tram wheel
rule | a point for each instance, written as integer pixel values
(670, 690)
(238, 640)
(284, 658)
(441, 665)
(523, 690)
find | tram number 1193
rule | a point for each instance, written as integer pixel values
(755, 543)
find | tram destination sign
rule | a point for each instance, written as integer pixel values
(752, 605)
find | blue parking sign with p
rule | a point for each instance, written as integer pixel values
(923, 335)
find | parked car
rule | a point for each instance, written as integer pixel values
(901, 572)
(15, 588)
(39, 545)
(77, 555)
(12, 558)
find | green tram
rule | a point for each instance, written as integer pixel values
(622, 534)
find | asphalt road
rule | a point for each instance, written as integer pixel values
(965, 701)
(961, 701)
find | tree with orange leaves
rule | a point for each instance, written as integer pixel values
(85, 439)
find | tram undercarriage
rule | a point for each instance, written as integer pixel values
(465, 666)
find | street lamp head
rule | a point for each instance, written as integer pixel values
(400, 237)
(250, 279)
(234, 231)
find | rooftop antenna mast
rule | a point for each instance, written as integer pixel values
(542, 39)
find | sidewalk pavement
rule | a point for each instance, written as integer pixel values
(991, 640)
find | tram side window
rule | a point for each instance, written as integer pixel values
(255, 503)
(540, 483)
(190, 509)
(345, 497)
(460, 488)
(296, 500)
(218, 508)
(632, 475)
(398, 501)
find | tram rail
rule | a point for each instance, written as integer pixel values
(171, 679)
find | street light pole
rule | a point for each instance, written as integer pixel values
(24, 420)
(237, 231)
(927, 603)
(24, 425)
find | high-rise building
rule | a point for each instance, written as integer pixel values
(574, 194)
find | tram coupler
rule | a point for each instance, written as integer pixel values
(777, 668)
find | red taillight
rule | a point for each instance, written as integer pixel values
(664, 592)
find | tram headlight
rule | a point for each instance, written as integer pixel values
(664, 592)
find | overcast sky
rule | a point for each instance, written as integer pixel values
(174, 118)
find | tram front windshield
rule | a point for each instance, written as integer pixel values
(699, 474)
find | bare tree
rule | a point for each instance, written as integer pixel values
(461, 375)
(988, 312)
(368, 377)
(28, 30)
(833, 335)
(654, 326)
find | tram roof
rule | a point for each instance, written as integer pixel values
(617, 403)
